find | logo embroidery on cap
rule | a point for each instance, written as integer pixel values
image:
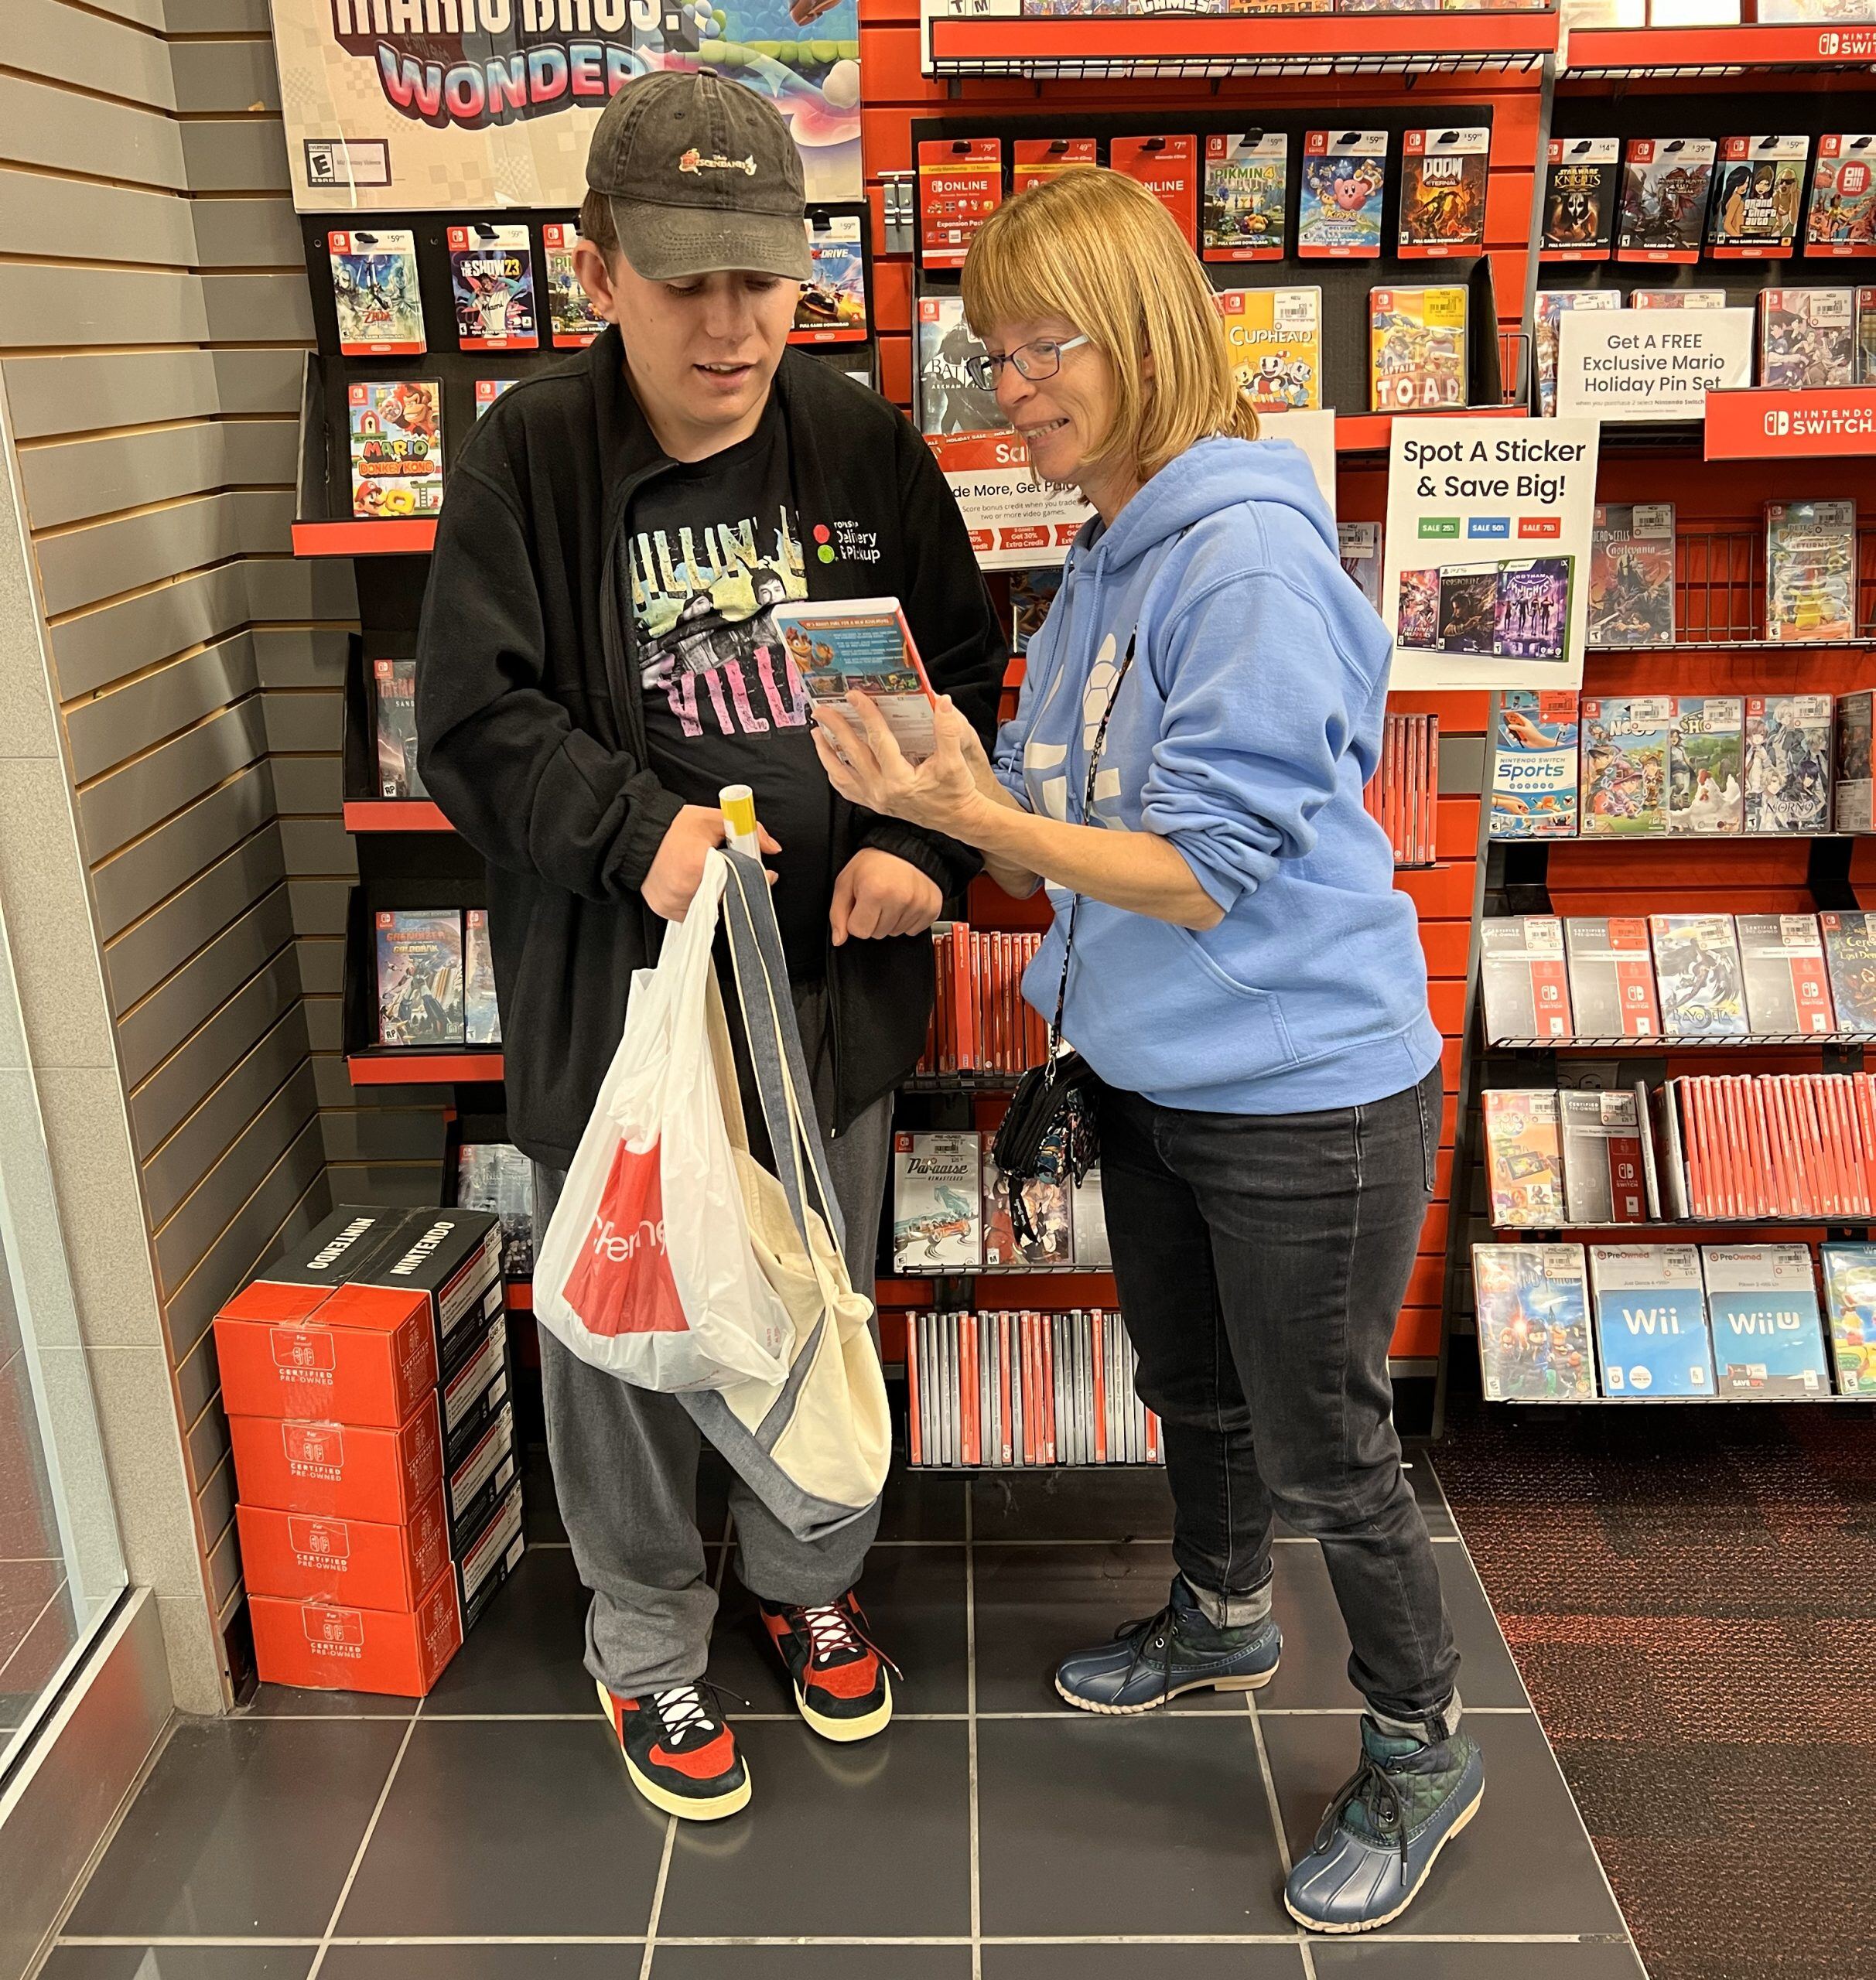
(693, 160)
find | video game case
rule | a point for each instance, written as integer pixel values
(488, 390)
(1611, 974)
(1706, 764)
(1247, 188)
(1443, 192)
(1623, 791)
(496, 1176)
(1677, 299)
(1787, 984)
(394, 721)
(1810, 571)
(1631, 574)
(1852, 809)
(1524, 1158)
(376, 293)
(419, 976)
(1534, 765)
(1531, 608)
(1840, 222)
(1849, 961)
(1522, 973)
(1697, 975)
(1358, 545)
(1758, 198)
(481, 1020)
(1049, 1205)
(1650, 1306)
(1417, 349)
(1866, 336)
(1850, 1299)
(1807, 338)
(397, 445)
(938, 1202)
(1533, 1307)
(1275, 336)
(1602, 1158)
(1339, 214)
(1768, 1334)
(1583, 175)
(1787, 754)
(1031, 595)
(491, 278)
(573, 321)
(1551, 304)
(1666, 183)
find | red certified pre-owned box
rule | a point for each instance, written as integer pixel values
(332, 1647)
(344, 1470)
(362, 1355)
(311, 1557)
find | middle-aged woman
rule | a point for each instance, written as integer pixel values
(1245, 981)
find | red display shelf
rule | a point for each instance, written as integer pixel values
(414, 536)
(521, 1296)
(1057, 1289)
(1202, 47)
(422, 1068)
(1673, 52)
(1373, 432)
(394, 814)
(1755, 423)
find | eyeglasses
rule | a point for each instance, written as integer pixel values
(1040, 358)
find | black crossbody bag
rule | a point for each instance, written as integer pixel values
(1049, 1134)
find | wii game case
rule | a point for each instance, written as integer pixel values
(375, 290)
(1611, 975)
(1807, 338)
(572, 320)
(1677, 299)
(1534, 765)
(1840, 223)
(394, 719)
(397, 448)
(491, 277)
(1358, 545)
(1031, 595)
(489, 390)
(1810, 571)
(842, 646)
(1417, 618)
(1758, 198)
(1531, 608)
(1666, 182)
(1768, 1335)
(1706, 763)
(1697, 975)
(496, 1176)
(1788, 763)
(1533, 1304)
(1247, 188)
(1631, 574)
(1275, 337)
(420, 976)
(1550, 305)
(1443, 192)
(832, 309)
(1339, 214)
(481, 1022)
(1416, 348)
(1602, 1158)
(1850, 957)
(1521, 972)
(1850, 1299)
(1853, 806)
(1625, 752)
(1652, 1336)
(1524, 1158)
(938, 1202)
(1787, 985)
(1583, 175)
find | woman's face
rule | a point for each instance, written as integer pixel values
(1061, 418)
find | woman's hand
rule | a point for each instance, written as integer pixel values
(865, 764)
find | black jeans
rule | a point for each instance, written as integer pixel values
(1262, 1261)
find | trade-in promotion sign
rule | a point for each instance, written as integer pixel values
(1488, 542)
(1649, 363)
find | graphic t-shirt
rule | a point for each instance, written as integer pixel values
(711, 546)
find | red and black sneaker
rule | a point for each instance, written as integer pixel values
(681, 1757)
(839, 1673)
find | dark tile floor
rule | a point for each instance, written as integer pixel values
(990, 1835)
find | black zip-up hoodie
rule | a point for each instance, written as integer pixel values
(531, 729)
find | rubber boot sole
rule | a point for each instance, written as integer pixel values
(1419, 1884)
(1252, 1684)
(845, 1732)
(687, 1808)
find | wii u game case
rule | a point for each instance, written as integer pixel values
(1612, 976)
(1666, 182)
(1788, 763)
(1358, 545)
(1757, 199)
(394, 720)
(1850, 1300)
(1625, 752)
(481, 1022)
(1339, 214)
(938, 1202)
(1840, 222)
(496, 1176)
(1807, 338)
(491, 278)
(1852, 806)
(1522, 972)
(1706, 764)
(1247, 190)
(1550, 305)
(1583, 175)
(1810, 571)
(1468, 608)
(1275, 336)
(832, 309)
(489, 390)
(1531, 608)
(397, 448)
(1850, 959)
(1602, 1158)
(1417, 346)
(419, 976)
(1787, 984)
(1631, 574)
(1650, 1305)
(1697, 975)
(1768, 1335)
(375, 292)
(572, 320)
(1534, 765)
(1533, 1304)
(1443, 192)
(1524, 1158)
(862, 646)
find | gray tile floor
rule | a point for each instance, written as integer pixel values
(992, 1835)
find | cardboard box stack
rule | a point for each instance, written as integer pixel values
(365, 1374)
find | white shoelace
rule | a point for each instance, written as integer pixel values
(830, 1632)
(682, 1709)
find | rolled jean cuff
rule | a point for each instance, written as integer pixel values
(1438, 1725)
(1231, 1612)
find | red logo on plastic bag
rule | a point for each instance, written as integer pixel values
(622, 1282)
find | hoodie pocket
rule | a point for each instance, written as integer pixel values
(1265, 1008)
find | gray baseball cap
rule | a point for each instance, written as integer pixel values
(700, 175)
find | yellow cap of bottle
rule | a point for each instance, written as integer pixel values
(737, 803)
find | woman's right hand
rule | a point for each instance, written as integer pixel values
(970, 746)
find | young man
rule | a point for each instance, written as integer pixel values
(596, 660)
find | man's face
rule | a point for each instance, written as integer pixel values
(701, 351)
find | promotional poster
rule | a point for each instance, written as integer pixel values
(1488, 543)
(443, 105)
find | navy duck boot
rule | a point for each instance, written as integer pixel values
(1383, 1833)
(1179, 1650)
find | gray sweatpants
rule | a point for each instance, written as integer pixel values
(625, 1459)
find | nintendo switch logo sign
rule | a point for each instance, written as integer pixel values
(1777, 423)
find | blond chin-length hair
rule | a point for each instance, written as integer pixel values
(1098, 249)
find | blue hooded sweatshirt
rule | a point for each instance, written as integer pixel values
(1246, 727)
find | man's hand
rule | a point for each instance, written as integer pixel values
(672, 879)
(878, 894)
